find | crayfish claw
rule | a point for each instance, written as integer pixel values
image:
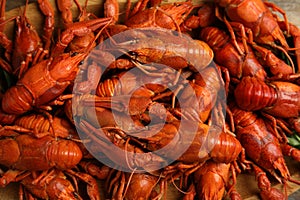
(273, 194)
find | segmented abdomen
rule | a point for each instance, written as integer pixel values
(199, 54)
(30, 153)
(55, 126)
(34, 121)
(214, 37)
(6, 118)
(253, 94)
(107, 87)
(17, 100)
(123, 84)
(226, 149)
(63, 154)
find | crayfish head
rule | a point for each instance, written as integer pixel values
(280, 171)
(65, 66)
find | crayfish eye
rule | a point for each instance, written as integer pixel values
(28, 25)
(133, 54)
(81, 62)
(134, 41)
(74, 54)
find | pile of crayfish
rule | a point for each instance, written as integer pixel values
(183, 94)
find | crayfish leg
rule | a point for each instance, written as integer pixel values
(290, 151)
(139, 6)
(48, 11)
(230, 29)
(2, 15)
(12, 176)
(294, 32)
(92, 185)
(266, 191)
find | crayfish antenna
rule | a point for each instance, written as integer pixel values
(126, 156)
(128, 182)
(280, 165)
(287, 55)
(294, 181)
(90, 46)
(2, 23)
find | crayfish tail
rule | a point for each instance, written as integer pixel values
(17, 100)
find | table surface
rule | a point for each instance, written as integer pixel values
(292, 8)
